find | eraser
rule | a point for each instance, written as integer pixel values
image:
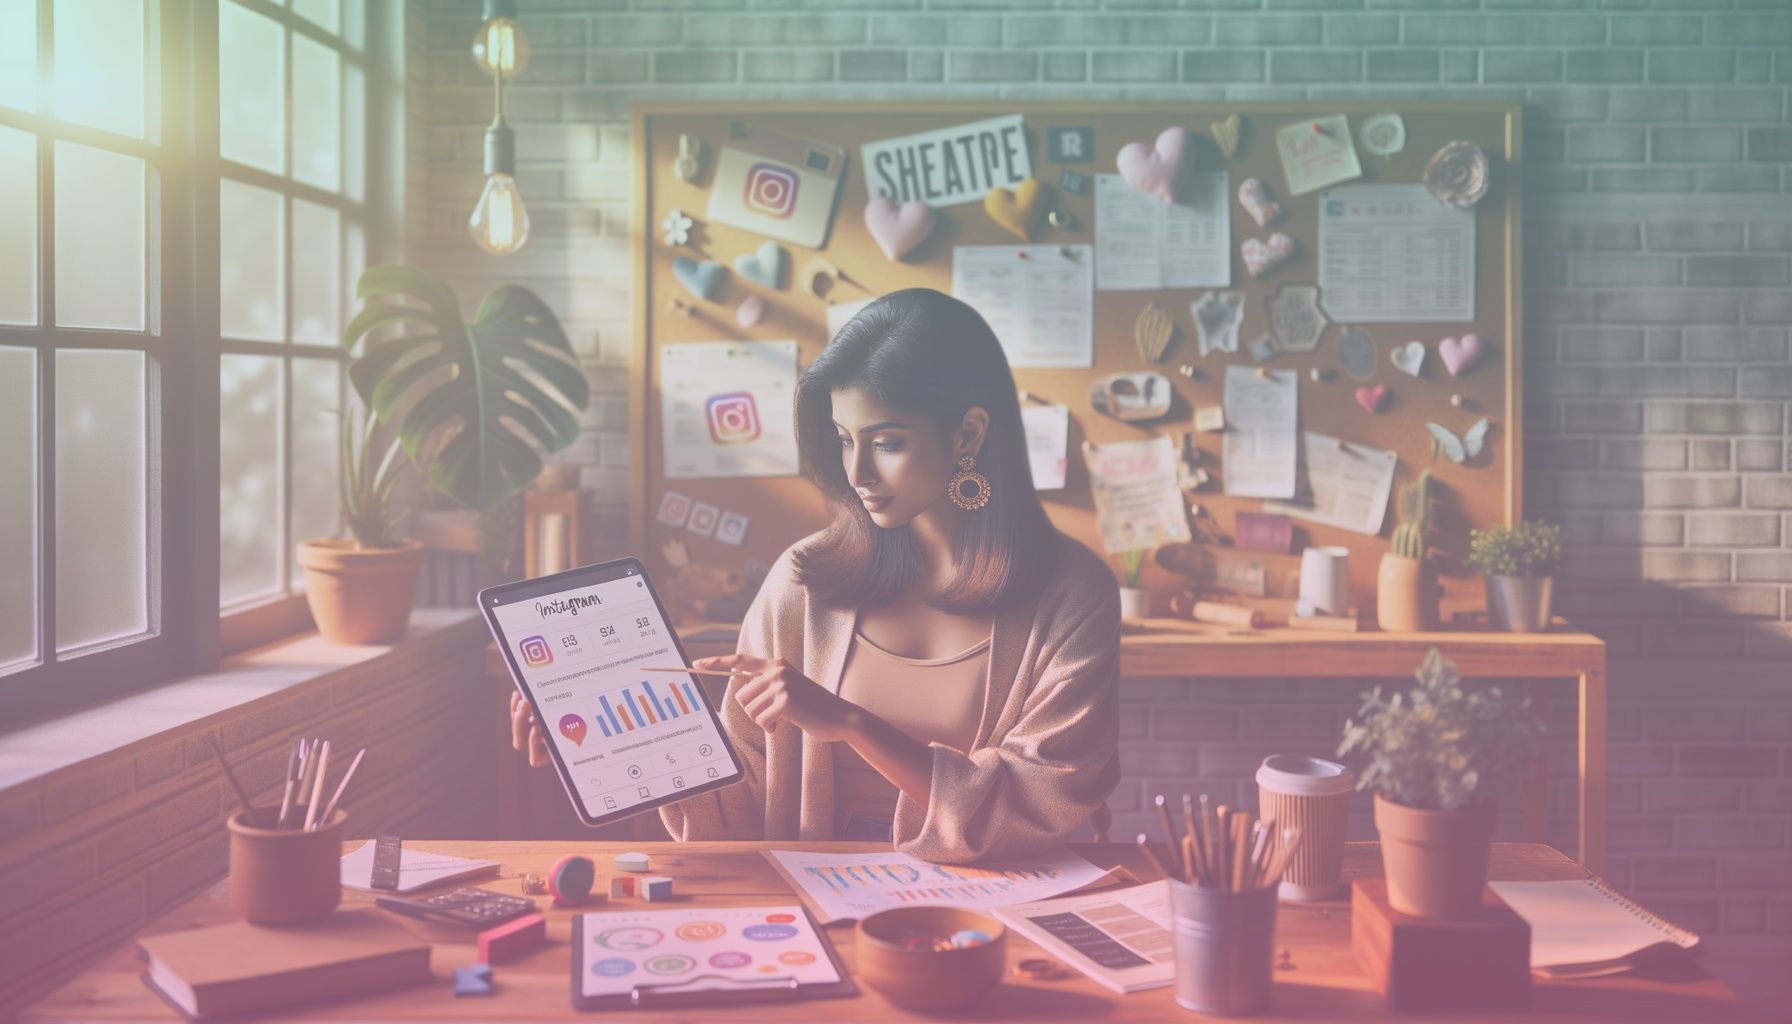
(656, 887)
(622, 887)
(513, 939)
(571, 879)
(473, 981)
(631, 862)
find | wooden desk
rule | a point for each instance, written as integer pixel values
(1324, 985)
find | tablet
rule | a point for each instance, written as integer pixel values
(623, 741)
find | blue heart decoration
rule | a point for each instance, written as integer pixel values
(700, 279)
(764, 265)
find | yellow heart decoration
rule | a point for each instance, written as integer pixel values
(1227, 133)
(1017, 210)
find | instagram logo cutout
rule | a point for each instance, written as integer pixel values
(771, 190)
(536, 652)
(733, 418)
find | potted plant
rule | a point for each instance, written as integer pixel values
(1405, 596)
(472, 404)
(359, 587)
(1135, 603)
(1434, 753)
(1519, 563)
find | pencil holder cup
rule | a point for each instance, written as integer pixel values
(1224, 948)
(284, 875)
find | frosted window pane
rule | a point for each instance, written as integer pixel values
(251, 103)
(250, 285)
(99, 64)
(102, 524)
(99, 238)
(316, 397)
(18, 506)
(354, 18)
(354, 134)
(316, 273)
(323, 13)
(316, 114)
(18, 55)
(18, 226)
(248, 477)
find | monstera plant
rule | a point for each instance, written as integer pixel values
(470, 403)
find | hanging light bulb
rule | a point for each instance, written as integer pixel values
(499, 224)
(500, 47)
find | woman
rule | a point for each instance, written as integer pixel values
(938, 667)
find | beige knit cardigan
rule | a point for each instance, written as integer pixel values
(1046, 754)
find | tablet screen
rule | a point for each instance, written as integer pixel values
(624, 740)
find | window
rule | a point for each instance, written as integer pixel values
(292, 219)
(174, 277)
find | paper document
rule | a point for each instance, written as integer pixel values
(1144, 243)
(416, 868)
(1583, 928)
(1393, 254)
(1317, 153)
(1120, 938)
(1039, 299)
(1347, 484)
(1137, 503)
(1261, 418)
(1048, 439)
(625, 948)
(847, 886)
(725, 408)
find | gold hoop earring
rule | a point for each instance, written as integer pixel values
(967, 475)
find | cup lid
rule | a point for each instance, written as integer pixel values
(1300, 775)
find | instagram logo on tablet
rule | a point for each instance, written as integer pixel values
(535, 651)
(771, 190)
(733, 418)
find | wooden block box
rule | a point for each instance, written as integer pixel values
(1478, 963)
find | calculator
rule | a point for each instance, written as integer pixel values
(475, 908)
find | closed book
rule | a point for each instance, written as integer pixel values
(239, 968)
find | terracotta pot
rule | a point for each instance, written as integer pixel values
(1435, 861)
(360, 595)
(1405, 601)
(288, 875)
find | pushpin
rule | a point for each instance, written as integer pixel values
(1186, 370)
(1318, 374)
(1023, 255)
(1456, 401)
(1317, 130)
(1262, 373)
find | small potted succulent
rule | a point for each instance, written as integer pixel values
(1135, 603)
(1405, 594)
(1519, 563)
(1434, 754)
(360, 587)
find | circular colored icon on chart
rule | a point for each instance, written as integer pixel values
(796, 957)
(729, 959)
(768, 932)
(767, 969)
(613, 967)
(573, 728)
(701, 931)
(780, 918)
(633, 937)
(671, 963)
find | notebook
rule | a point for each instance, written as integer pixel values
(233, 969)
(416, 869)
(1584, 928)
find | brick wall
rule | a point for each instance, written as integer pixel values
(97, 850)
(1659, 238)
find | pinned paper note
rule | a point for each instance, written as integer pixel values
(1217, 316)
(1137, 504)
(1262, 410)
(1316, 153)
(1346, 484)
(1144, 244)
(1039, 300)
(1048, 443)
(1295, 317)
(1210, 419)
(1366, 229)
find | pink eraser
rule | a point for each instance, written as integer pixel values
(513, 939)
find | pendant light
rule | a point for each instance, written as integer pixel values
(499, 223)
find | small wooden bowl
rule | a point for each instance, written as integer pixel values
(926, 979)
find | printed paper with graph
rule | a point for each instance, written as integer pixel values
(847, 886)
(1120, 938)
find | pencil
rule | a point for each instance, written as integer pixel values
(1163, 817)
(696, 671)
(1260, 833)
(1220, 834)
(235, 783)
(292, 766)
(330, 808)
(317, 787)
(1151, 855)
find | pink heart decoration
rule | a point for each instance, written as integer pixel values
(1370, 398)
(1155, 171)
(898, 229)
(1459, 354)
(1253, 195)
(750, 311)
(1261, 256)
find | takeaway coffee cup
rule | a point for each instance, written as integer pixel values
(1313, 794)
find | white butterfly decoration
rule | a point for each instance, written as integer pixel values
(1459, 449)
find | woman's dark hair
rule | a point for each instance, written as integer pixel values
(922, 352)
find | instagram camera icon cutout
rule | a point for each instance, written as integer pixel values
(771, 190)
(733, 417)
(535, 651)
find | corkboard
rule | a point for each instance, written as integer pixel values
(1484, 492)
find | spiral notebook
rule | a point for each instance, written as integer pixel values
(1584, 928)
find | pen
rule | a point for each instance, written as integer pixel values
(1163, 817)
(292, 766)
(317, 787)
(696, 671)
(330, 808)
